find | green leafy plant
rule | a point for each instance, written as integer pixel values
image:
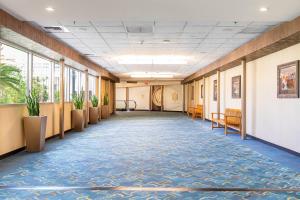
(106, 99)
(33, 105)
(12, 85)
(10, 76)
(78, 100)
(94, 101)
(56, 96)
(38, 84)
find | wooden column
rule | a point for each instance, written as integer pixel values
(183, 109)
(86, 95)
(99, 95)
(244, 93)
(62, 99)
(162, 98)
(194, 94)
(203, 97)
(127, 99)
(218, 93)
(188, 97)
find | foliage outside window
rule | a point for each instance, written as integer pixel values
(17, 72)
(92, 86)
(56, 83)
(41, 78)
(14, 65)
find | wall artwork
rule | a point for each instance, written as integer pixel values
(236, 87)
(215, 90)
(202, 91)
(288, 80)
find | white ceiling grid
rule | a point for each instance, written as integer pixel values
(202, 42)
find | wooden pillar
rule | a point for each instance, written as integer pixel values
(127, 99)
(150, 98)
(114, 97)
(162, 98)
(183, 109)
(62, 99)
(203, 98)
(188, 97)
(86, 95)
(98, 83)
(194, 94)
(244, 93)
(218, 93)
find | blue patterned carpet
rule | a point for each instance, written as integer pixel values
(149, 150)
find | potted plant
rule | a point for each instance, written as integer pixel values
(94, 111)
(34, 125)
(78, 114)
(105, 107)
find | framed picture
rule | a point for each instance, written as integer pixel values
(236, 87)
(215, 90)
(288, 80)
(202, 91)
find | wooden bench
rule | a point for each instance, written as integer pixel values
(195, 111)
(198, 112)
(232, 118)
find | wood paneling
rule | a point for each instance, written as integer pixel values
(41, 37)
(278, 38)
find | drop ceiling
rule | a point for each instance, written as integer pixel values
(201, 31)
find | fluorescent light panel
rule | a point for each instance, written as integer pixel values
(151, 75)
(155, 60)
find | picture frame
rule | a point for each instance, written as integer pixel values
(202, 91)
(215, 90)
(236, 87)
(288, 80)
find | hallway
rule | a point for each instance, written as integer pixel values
(146, 149)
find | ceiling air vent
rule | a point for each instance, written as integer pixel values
(55, 29)
(135, 82)
(139, 29)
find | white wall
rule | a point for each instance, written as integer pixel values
(268, 117)
(226, 100)
(141, 96)
(210, 104)
(173, 97)
(120, 95)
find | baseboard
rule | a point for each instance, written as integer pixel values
(8, 154)
(11, 153)
(274, 145)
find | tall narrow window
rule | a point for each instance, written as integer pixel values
(14, 68)
(75, 82)
(67, 84)
(92, 86)
(56, 83)
(41, 78)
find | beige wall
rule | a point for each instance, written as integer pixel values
(141, 96)
(173, 97)
(11, 123)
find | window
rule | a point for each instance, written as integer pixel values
(13, 89)
(92, 86)
(74, 82)
(41, 78)
(67, 84)
(56, 83)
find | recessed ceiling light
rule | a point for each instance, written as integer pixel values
(50, 9)
(263, 9)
